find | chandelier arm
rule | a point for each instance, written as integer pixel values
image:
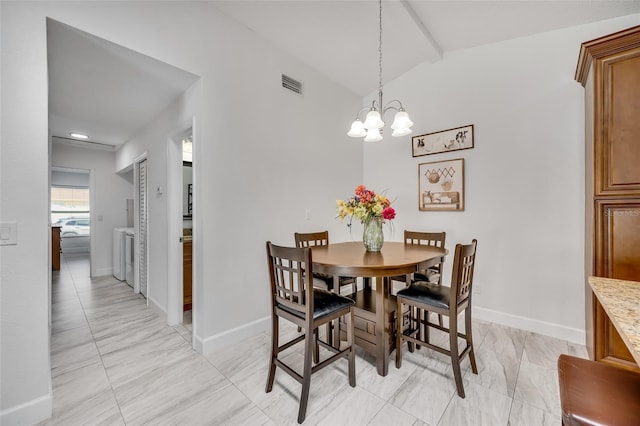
(361, 111)
(388, 106)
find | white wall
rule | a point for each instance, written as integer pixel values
(252, 138)
(152, 141)
(260, 160)
(24, 336)
(109, 192)
(524, 180)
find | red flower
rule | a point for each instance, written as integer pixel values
(388, 213)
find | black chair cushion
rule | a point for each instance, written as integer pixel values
(324, 303)
(429, 275)
(324, 277)
(328, 279)
(427, 293)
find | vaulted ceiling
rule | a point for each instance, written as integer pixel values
(337, 38)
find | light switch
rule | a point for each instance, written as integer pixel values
(8, 233)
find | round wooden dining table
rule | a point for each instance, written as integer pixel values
(350, 259)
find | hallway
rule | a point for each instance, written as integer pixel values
(114, 361)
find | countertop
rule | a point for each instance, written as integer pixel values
(621, 301)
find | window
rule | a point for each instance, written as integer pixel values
(70, 209)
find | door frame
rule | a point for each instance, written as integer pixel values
(175, 224)
(136, 224)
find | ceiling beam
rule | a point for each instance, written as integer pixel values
(433, 49)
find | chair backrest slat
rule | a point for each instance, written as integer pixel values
(312, 239)
(290, 285)
(463, 267)
(433, 239)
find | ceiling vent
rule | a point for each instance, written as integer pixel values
(291, 84)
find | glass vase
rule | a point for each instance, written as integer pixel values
(372, 235)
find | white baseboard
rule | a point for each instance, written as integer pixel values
(574, 335)
(229, 337)
(29, 413)
(103, 272)
(156, 308)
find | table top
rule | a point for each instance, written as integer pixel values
(621, 301)
(352, 259)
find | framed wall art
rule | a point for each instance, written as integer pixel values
(441, 185)
(443, 141)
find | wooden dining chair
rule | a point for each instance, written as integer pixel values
(432, 239)
(312, 239)
(432, 274)
(447, 301)
(294, 298)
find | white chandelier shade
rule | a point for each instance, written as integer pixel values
(371, 128)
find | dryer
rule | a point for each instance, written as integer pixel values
(120, 253)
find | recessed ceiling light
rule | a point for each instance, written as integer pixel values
(78, 136)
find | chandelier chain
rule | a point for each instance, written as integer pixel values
(372, 127)
(380, 46)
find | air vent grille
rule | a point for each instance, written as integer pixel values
(291, 84)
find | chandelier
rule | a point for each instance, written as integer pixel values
(372, 126)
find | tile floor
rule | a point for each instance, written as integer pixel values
(113, 361)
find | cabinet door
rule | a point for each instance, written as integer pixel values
(618, 256)
(618, 135)
(186, 275)
(617, 239)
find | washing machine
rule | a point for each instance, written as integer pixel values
(120, 253)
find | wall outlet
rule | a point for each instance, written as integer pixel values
(477, 289)
(307, 214)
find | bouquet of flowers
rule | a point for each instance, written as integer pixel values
(366, 205)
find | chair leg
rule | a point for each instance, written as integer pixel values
(413, 321)
(425, 325)
(469, 338)
(420, 324)
(367, 283)
(399, 334)
(455, 354)
(306, 375)
(352, 351)
(316, 346)
(274, 354)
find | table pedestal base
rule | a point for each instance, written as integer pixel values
(365, 326)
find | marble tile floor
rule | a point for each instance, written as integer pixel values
(114, 361)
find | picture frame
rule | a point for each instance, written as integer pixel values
(443, 141)
(441, 185)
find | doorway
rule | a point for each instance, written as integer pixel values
(70, 209)
(181, 211)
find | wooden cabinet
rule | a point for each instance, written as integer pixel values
(55, 248)
(609, 69)
(186, 274)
